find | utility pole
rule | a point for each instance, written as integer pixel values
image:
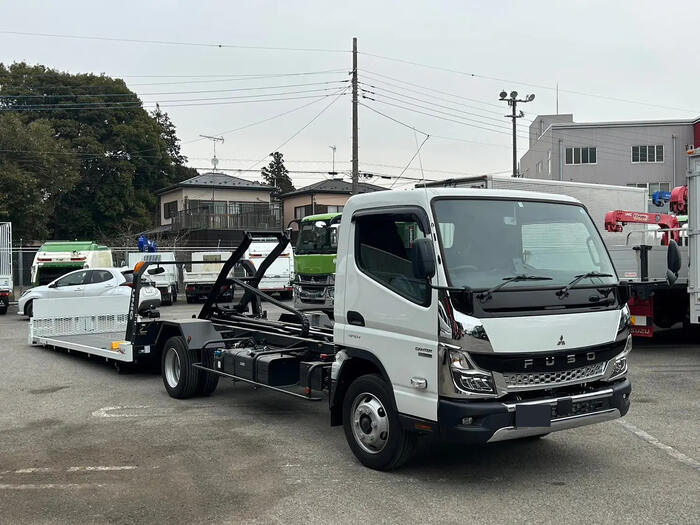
(513, 102)
(355, 163)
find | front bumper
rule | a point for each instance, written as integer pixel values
(488, 421)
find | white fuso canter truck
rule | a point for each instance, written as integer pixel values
(470, 315)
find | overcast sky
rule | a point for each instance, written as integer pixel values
(640, 51)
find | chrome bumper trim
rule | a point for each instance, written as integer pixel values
(554, 400)
(506, 433)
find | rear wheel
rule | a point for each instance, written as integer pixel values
(180, 378)
(208, 380)
(190, 300)
(173, 294)
(372, 426)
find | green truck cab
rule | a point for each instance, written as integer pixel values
(314, 262)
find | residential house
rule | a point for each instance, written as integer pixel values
(325, 196)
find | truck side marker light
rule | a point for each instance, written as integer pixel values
(422, 426)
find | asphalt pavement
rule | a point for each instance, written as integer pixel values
(80, 443)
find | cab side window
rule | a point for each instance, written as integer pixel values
(384, 251)
(72, 279)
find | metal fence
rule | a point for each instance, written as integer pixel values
(244, 216)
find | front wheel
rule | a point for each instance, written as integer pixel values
(180, 378)
(372, 427)
(29, 309)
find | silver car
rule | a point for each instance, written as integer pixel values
(92, 282)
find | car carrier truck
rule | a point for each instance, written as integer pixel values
(439, 333)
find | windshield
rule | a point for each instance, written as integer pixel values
(317, 237)
(485, 241)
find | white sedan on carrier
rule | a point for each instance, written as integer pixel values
(90, 282)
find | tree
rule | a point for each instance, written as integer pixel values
(121, 153)
(276, 174)
(36, 168)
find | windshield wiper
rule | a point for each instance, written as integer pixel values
(511, 279)
(565, 291)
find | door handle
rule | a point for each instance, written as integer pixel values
(355, 318)
(419, 382)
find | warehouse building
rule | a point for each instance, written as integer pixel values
(649, 154)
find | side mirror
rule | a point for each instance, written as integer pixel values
(423, 258)
(156, 270)
(673, 262)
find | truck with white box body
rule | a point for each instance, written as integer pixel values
(598, 198)
(442, 332)
(166, 281)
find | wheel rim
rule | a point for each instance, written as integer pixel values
(172, 367)
(370, 423)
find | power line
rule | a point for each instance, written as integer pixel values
(175, 43)
(436, 110)
(384, 90)
(426, 88)
(529, 84)
(246, 126)
(198, 91)
(80, 105)
(153, 104)
(304, 126)
(411, 160)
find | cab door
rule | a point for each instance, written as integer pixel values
(388, 311)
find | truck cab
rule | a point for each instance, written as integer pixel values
(500, 316)
(314, 262)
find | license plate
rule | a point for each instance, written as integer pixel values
(533, 416)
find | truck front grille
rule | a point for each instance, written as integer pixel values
(524, 381)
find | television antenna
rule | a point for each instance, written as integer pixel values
(214, 140)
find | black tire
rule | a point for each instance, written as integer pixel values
(180, 378)
(392, 450)
(190, 300)
(207, 381)
(29, 309)
(173, 296)
(3, 310)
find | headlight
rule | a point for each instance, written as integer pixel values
(617, 366)
(466, 377)
(625, 319)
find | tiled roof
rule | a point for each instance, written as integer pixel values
(218, 180)
(334, 186)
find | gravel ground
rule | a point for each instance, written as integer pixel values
(81, 444)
